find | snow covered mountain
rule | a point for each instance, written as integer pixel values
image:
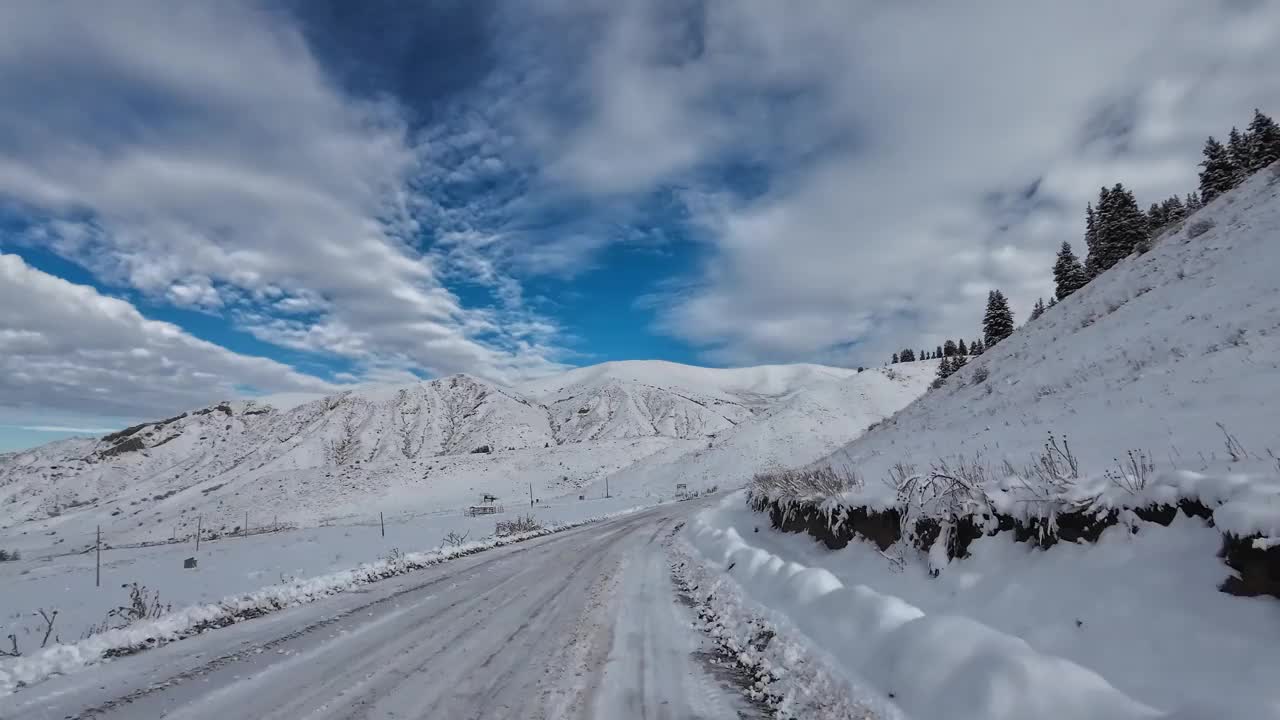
(440, 444)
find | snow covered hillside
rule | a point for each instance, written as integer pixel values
(438, 444)
(1083, 522)
(1167, 354)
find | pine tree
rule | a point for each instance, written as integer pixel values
(962, 349)
(1240, 150)
(1053, 301)
(1091, 229)
(938, 352)
(1264, 141)
(1218, 173)
(908, 355)
(976, 347)
(997, 324)
(1156, 218)
(1096, 232)
(1193, 202)
(949, 348)
(1120, 229)
(958, 362)
(944, 369)
(1173, 209)
(1068, 273)
(895, 359)
(1037, 310)
(1131, 231)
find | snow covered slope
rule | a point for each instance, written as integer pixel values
(441, 444)
(1165, 353)
(805, 426)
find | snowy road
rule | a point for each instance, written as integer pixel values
(582, 624)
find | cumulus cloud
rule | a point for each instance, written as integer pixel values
(68, 348)
(917, 154)
(198, 153)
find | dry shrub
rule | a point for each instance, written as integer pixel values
(522, 524)
(822, 481)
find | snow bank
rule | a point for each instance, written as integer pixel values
(1141, 610)
(61, 659)
(930, 665)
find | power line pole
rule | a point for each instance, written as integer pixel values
(530, 494)
(246, 523)
(198, 519)
(606, 486)
(97, 575)
(383, 523)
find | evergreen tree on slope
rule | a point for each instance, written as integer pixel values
(997, 324)
(1264, 141)
(1068, 273)
(1218, 173)
(1240, 150)
(1037, 310)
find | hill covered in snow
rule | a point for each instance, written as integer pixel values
(1082, 522)
(440, 444)
(1173, 355)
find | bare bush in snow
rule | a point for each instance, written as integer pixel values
(1057, 468)
(453, 539)
(980, 375)
(807, 482)
(526, 523)
(143, 605)
(9, 555)
(1132, 474)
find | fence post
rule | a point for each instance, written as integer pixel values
(97, 574)
(199, 518)
(383, 523)
(530, 494)
(246, 523)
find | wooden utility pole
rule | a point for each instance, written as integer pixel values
(606, 486)
(97, 575)
(198, 519)
(530, 494)
(383, 523)
(246, 523)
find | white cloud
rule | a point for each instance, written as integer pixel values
(900, 138)
(68, 348)
(198, 153)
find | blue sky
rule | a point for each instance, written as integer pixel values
(202, 201)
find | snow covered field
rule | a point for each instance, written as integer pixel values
(230, 566)
(583, 623)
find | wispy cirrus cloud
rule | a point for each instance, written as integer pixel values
(216, 165)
